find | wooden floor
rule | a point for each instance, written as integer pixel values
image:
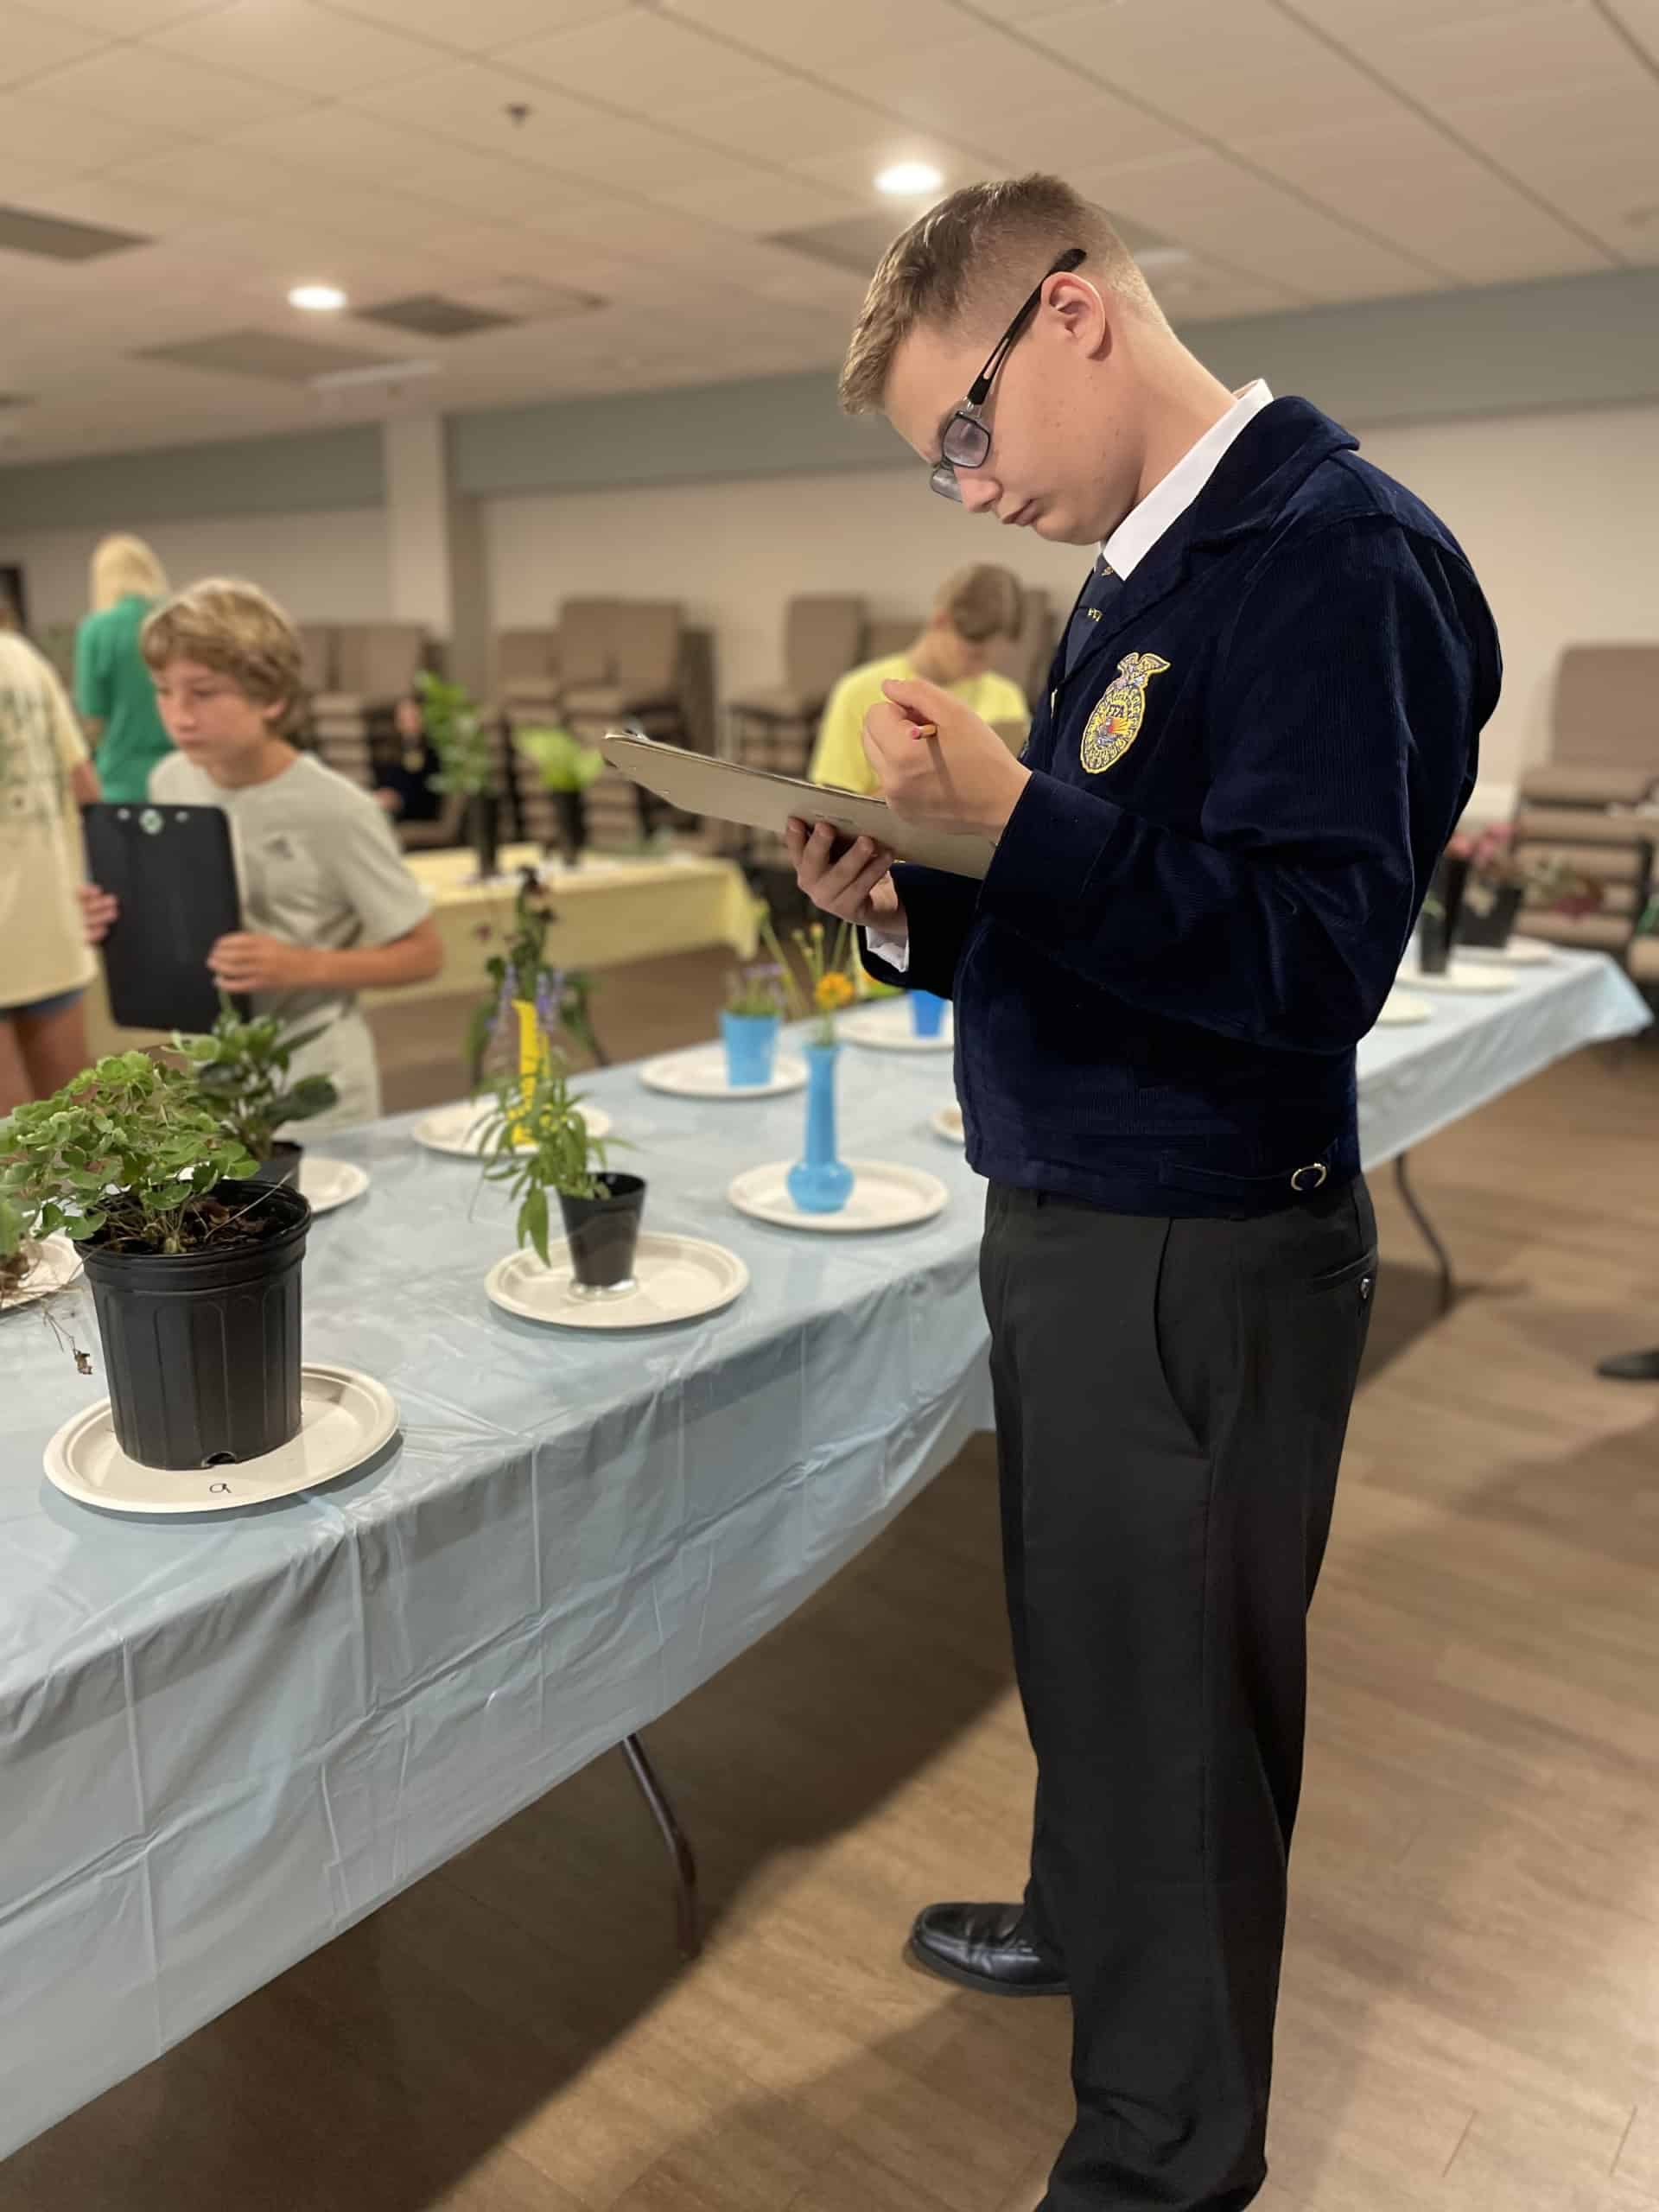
(1471, 2011)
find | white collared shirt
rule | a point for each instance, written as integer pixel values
(1170, 498)
(1135, 537)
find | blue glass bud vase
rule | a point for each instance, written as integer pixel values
(751, 1041)
(821, 1183)
(926, 1013)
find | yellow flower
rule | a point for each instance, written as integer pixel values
(832, 991)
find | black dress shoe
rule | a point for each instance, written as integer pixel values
(985, 1947)
(1630, 1366)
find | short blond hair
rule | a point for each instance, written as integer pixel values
(240, 631)
(123, 567)
(982, 602)
(968, 263)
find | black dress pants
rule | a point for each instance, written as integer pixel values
(1172, 1397)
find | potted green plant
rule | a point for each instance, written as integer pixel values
(18, 1252)
(195, 1268)
(537, 1142)
(529, 1003)
(242, 1071)
(566, 768)
(466, 761)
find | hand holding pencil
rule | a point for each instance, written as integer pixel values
(966, 780)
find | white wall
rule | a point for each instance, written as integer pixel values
(323, 567)
(1559, 513)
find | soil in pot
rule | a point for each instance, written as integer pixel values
(602, 1233)
(202, 1348)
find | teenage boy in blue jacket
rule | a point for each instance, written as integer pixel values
(1260, 729)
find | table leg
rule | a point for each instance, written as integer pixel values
(1448, 1282)
(685, 1864)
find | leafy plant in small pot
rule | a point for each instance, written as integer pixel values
(241, 1070)
(566, 768)
(467, 758)
(195, 1268)
(1501, 881)
(539, 1144)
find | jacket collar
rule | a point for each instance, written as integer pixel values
(1255, 479)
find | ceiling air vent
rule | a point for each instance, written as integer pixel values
(54, 238)
(259, 353)
(429, 315)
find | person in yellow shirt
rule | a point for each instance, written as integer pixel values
(976, 609)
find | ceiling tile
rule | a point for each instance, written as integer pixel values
(793, 123)
(641, 61)
(218, 177)
(1222, 71)
(129, 18)
(1099, 125)
(36, 127)
(855, 168)
(299, 45)
(962, 86)
(31, 42)
(804, 36)
(1640, 19)
(1554, 50)
(167, 90)
(343, 140)
(469, 102)
(478, 26)
(123, 204)
(1357, 22)
(1408, 182)
(761, 202)
(1592, 155)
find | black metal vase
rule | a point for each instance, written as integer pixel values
(603, 1234)
(572, 810)
(1438, 929)
(483, 825)
(1487, 921)
(202, 1348)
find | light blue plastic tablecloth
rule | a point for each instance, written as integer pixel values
(223, 1740)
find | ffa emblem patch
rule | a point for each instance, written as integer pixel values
(1115, 723)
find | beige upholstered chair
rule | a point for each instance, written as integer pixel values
(822, 638)
(1603, 729)
(887, 635)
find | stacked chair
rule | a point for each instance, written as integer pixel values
(355, 671)
(824, 636)
(1588, 804)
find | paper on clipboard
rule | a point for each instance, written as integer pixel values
(764, 800)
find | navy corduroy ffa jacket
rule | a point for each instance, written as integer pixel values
(1239, 794)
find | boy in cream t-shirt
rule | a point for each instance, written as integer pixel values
(976, 610)
(329, 907)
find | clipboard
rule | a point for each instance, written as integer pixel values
(761, 799)
(172, 870)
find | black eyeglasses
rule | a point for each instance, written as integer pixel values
(965, 442)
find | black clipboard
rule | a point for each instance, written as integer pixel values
(173, 871)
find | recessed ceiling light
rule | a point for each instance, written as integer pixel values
(905, 180)
(317, 299)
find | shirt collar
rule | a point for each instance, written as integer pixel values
(1170, 497)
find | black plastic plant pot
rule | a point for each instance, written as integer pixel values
(283, 1167)
(602, 1233)
(1489, 929)
(1437, 930)
(572, 810)
(482, 832)
(202, 1348)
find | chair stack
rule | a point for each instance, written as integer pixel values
(824, 636)
(355, 671)
(1591, 806)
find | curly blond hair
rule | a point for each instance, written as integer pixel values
(967, 264)
(240, 631)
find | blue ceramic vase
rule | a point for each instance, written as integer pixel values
(750, 1043)
(926, 1013)
(821, 1183)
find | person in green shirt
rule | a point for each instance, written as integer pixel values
(976, 609)
(113, 690)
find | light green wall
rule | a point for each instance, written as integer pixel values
(318, 469)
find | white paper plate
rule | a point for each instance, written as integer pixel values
(55, 1268)
(884, 1196)
(1466, 976)
(1400, 1009)
(459, 1129)
(702, 1074)
(1519, 952)
(675, 1278)
(345, 1418)
(331, 1183)
(947, 1123)
(889, 1028)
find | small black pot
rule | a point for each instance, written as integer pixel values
(202, 1348)
(602, 1233)
(1438, 928)
(1489, 924)
(483, 818)
(572, 809)
(283, 1167)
